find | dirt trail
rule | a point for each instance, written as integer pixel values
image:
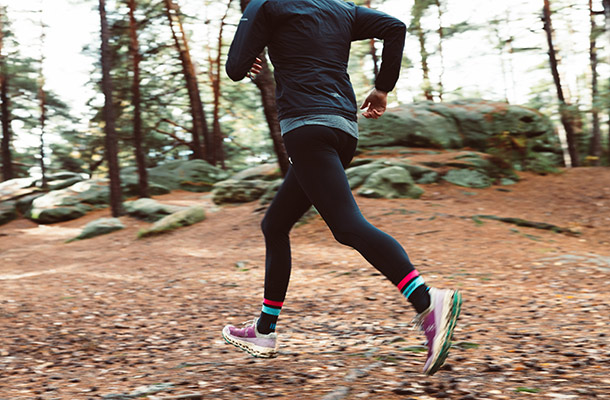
(115, 318)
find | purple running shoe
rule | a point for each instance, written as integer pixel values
(438, 322)
(249, 339)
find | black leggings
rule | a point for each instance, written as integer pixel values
(319, 155)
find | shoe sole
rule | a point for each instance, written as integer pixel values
(252, 349)
(456, 307)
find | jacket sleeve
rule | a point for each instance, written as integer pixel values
(370, 24)
(253, 34)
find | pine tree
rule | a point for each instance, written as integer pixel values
(134, 50)
(564, 110)
(5, 151)
(109, 117)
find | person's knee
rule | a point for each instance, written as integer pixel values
(271, 228)
(344, 237)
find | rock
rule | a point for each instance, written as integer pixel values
(149, 210)
(412, 126)
(69, 203)
(468, 178)
(232, 191)
(130, 186)
(390, 183)
(428, 177)
(14, 188)
(99, 227)
(8, 211)
(63, 183)
(24, 204)
(191, 175)
(264, 172)
(269, 194)
(515, 135)
(174, 221)
(357, 175)
(58, 214)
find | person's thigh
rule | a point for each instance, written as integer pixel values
(319, 167)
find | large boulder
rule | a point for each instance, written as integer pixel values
(191, 175)
(263, 172)
(410, 126)
(468, 178)
(390, 183)
(232, 191)
(517, 136)
(174, 221)
(14, 188)
(99, 227)
(8, 212)
(69, 203)
(149, 210)
(130, 184)
(364, 168)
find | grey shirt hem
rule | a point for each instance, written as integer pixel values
(332, 121)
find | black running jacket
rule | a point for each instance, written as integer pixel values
(309, 43)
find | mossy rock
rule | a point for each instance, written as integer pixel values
(99, 227)
(390, 183)
(174, 221)
(468, 178)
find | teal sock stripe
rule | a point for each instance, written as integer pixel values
(271, 311)
(417, 282)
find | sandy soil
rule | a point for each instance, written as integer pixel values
(115, 318)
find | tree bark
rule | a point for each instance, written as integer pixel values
(266, 85)
(5, 145)
(417, 11)
(565, 114)
(42, 99)
(595, 150)
(109, 117)
(200, 127)
(373, 50)
(43, 115)
(134, 50)
(215, 70)
(441, 38)
(606, 4)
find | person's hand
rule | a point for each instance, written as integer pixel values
(375, 104)
(256, 68)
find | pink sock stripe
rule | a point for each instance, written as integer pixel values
(410, 276)
(273, 303)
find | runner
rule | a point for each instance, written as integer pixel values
(309, 43)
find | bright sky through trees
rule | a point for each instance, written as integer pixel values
(472, 66)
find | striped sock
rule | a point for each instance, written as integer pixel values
(415, 290)
(269, 315)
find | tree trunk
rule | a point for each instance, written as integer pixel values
(373, 51)
(595, 150)
(606, 4)
(200, 127)
(215, 70)
(266, 85)
(441, 37)
(42, 101)
(109, 118)
(7, 159)
(565, 114)
(134, 50)
(419, 7)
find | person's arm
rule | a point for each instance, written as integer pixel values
(253, 34)
(370, 24)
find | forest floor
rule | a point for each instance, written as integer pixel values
(114, 317)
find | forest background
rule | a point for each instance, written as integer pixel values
(153, 89)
